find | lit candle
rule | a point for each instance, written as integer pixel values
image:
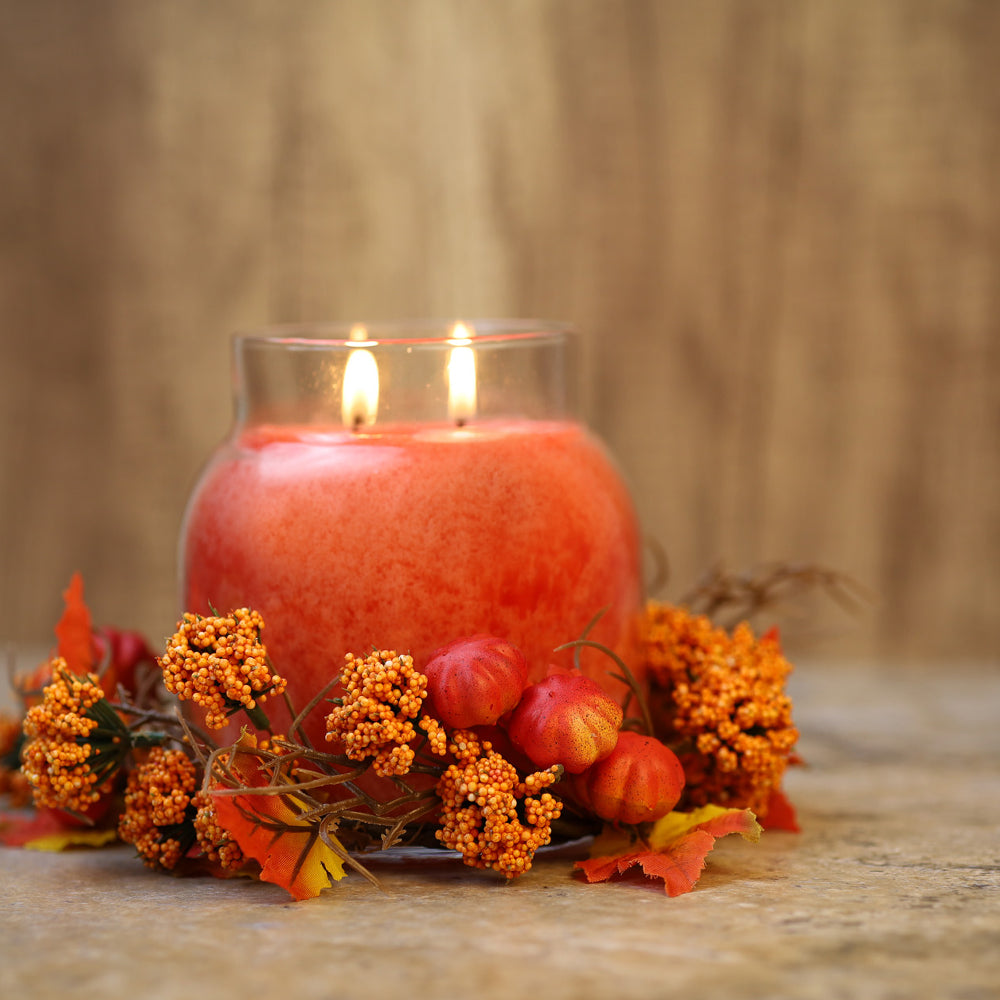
(375, 531)
(461, 376)
(359, 399)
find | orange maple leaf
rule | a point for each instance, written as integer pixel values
(75, 629)
(675, 849)
(291, 851)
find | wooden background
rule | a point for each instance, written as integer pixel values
(776, 221)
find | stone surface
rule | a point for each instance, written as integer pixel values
(892, 890)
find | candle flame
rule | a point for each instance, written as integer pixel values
(462, 384)
(359, 404)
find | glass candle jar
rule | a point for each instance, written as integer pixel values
(403, 485)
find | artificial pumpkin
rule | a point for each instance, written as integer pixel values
(640, 781)
(475, 680)
(565, 719)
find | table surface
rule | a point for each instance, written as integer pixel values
(891, 890)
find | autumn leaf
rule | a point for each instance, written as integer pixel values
(780, 813)
(269, 828)
(50, 830)
(72, 838)
(675, 849)
(75, 629)
(290, 851)
(714, 820)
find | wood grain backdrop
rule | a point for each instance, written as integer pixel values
(777, 221)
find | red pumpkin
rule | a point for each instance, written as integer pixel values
(473, 681)
(640, 781)
(566, 719)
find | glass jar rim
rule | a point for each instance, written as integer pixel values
(406, 332)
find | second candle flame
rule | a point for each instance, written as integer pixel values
(359, 403)
(461, 376)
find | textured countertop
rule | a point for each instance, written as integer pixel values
(891, 890)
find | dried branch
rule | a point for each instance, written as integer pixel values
(729, 598)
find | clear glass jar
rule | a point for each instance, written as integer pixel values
(463, 497)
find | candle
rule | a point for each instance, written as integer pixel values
(406, 534)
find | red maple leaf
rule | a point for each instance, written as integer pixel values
(115, 653)
(675, 850)
(50, 830)
(780, 813)
(75, 631)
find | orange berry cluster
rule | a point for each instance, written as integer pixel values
(66, 763)
(480, 796)
(213, 838)
(383, 694)
(727, 694)
(158, 812)
(220, 663)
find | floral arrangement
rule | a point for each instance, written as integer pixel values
(459, 753)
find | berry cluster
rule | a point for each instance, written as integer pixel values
(220, 663)
(383, 694)
(488, 814)
(726, 696)
(75, 742)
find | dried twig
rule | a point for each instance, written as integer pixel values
(729, 598)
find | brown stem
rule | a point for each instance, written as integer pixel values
(626, 677)
(743, 595)
(297, 721)
(583, 635)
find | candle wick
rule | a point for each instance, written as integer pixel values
(460, 422)
(358, 421)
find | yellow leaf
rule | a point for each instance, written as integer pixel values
(71, 838)
(715, 820)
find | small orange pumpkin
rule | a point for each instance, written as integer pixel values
(640, 781)
(475, 680)
(566, 719)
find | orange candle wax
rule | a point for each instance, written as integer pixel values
(410, 536)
